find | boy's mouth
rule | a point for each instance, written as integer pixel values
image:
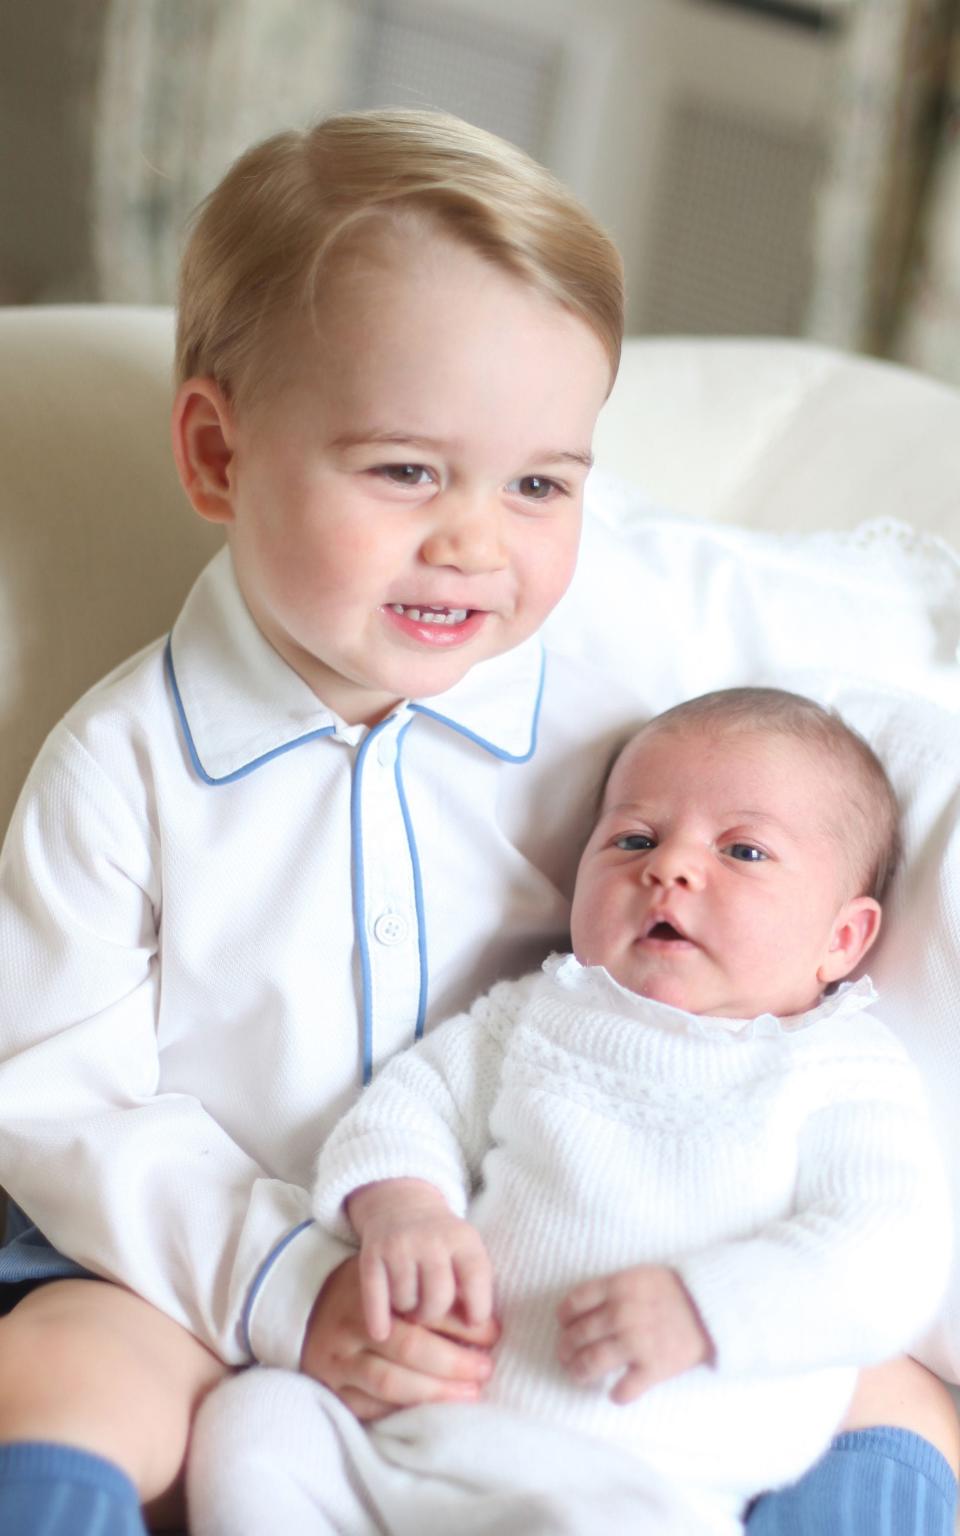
(435, 626)
(431, 614)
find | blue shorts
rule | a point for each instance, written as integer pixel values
(27, 1260)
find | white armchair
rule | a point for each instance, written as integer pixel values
(99, 546)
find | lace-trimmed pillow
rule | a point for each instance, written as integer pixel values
(700, 605)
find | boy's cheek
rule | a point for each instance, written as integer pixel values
(551, 575)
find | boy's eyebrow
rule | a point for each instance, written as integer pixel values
(436, 445)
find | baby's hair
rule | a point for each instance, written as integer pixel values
(264, 240)
(864, 789)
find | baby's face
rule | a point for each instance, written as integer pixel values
(409, 503)
(715, 879)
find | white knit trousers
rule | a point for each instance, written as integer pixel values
(274, 1451)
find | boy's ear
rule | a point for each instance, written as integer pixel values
(854, 930)
(202, 431)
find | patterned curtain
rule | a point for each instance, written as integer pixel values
(184, 88)
(887, 233)
(928, 336)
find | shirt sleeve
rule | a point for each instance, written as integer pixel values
(856, 1270)
(139, 1185)
(426, 1115)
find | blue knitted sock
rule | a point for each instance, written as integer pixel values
(54, 1490)
(871, 1482)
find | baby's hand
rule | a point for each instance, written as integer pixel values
(639, 1318)
(449, 1363)
(416, 1257)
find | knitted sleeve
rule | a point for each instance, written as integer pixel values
(426, 1114)
(855, 1271)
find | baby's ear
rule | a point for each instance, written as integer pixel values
(202, 431)
(854, 929)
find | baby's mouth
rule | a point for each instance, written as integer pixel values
(431, 614)
(662, 931)
(665, 932)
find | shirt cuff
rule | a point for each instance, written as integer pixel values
(283, 1293)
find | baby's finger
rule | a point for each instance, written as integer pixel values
(437, 1290)
(474, 1279)
(375, 1297)
(594, 1361)
(583, 1298)
(404, 1277)
(585, 1329)
(635, 1380)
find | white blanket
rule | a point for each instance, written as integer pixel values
(439, 1470)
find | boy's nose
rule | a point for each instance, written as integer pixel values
(468, 537)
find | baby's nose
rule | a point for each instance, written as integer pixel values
(668, 865)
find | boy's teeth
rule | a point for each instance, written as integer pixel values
(431, 615)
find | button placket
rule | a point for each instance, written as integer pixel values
(390, 920)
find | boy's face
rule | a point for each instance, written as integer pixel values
(409, 502)
(714, 879)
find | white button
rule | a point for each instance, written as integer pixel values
(387, 751)
(390, 928)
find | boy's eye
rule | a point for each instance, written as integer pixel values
(635, 842)
(747, 853)
(405, 474)
(534, 487)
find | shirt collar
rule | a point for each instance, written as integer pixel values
(596, 985)
(240, 704)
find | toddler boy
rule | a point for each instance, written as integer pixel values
(266, 853)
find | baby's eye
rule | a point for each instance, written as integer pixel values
(748, 853)
(635, 842)
(405, 474)
(535, 487)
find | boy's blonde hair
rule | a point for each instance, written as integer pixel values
(870, 828)
(263, 241)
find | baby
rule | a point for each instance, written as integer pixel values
(697, 1171)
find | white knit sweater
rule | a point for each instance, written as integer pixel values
(785, 1170)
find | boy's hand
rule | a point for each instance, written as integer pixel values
(416, 1257)
(447, 1363)
(639, 1318)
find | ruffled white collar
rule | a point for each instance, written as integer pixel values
(593, 984)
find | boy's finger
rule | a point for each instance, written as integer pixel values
(363, 1406)
(397, 1387)
(430, 1352)
(482, 1336)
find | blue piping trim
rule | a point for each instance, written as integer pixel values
(417, 889)
(261, 1276)
(481, 741)
(256, 762)
(359, 913)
